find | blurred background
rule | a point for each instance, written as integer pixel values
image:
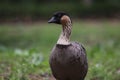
(26, 39)
(42, 9)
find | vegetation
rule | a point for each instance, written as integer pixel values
(35, 9)
(25, 49)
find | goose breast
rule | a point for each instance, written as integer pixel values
(68, 62)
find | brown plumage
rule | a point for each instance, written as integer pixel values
(68, 59)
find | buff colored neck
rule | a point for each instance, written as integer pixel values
(64, 38)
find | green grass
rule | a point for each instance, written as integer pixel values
(25, 49)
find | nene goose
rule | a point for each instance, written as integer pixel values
(68, 59)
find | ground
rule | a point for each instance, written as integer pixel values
(25, 49)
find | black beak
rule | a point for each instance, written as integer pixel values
(52, 20)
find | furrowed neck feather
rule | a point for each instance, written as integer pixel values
(64, 38)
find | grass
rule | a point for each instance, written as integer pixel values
(25, 49)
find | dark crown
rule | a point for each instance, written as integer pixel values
(57, 17)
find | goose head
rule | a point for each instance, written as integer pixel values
(60, 18)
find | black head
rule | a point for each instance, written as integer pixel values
(57, 17)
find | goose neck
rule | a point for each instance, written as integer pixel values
(64, 38)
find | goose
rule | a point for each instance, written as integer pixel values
(68, 60)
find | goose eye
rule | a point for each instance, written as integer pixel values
(56, 16)
(59, 15)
